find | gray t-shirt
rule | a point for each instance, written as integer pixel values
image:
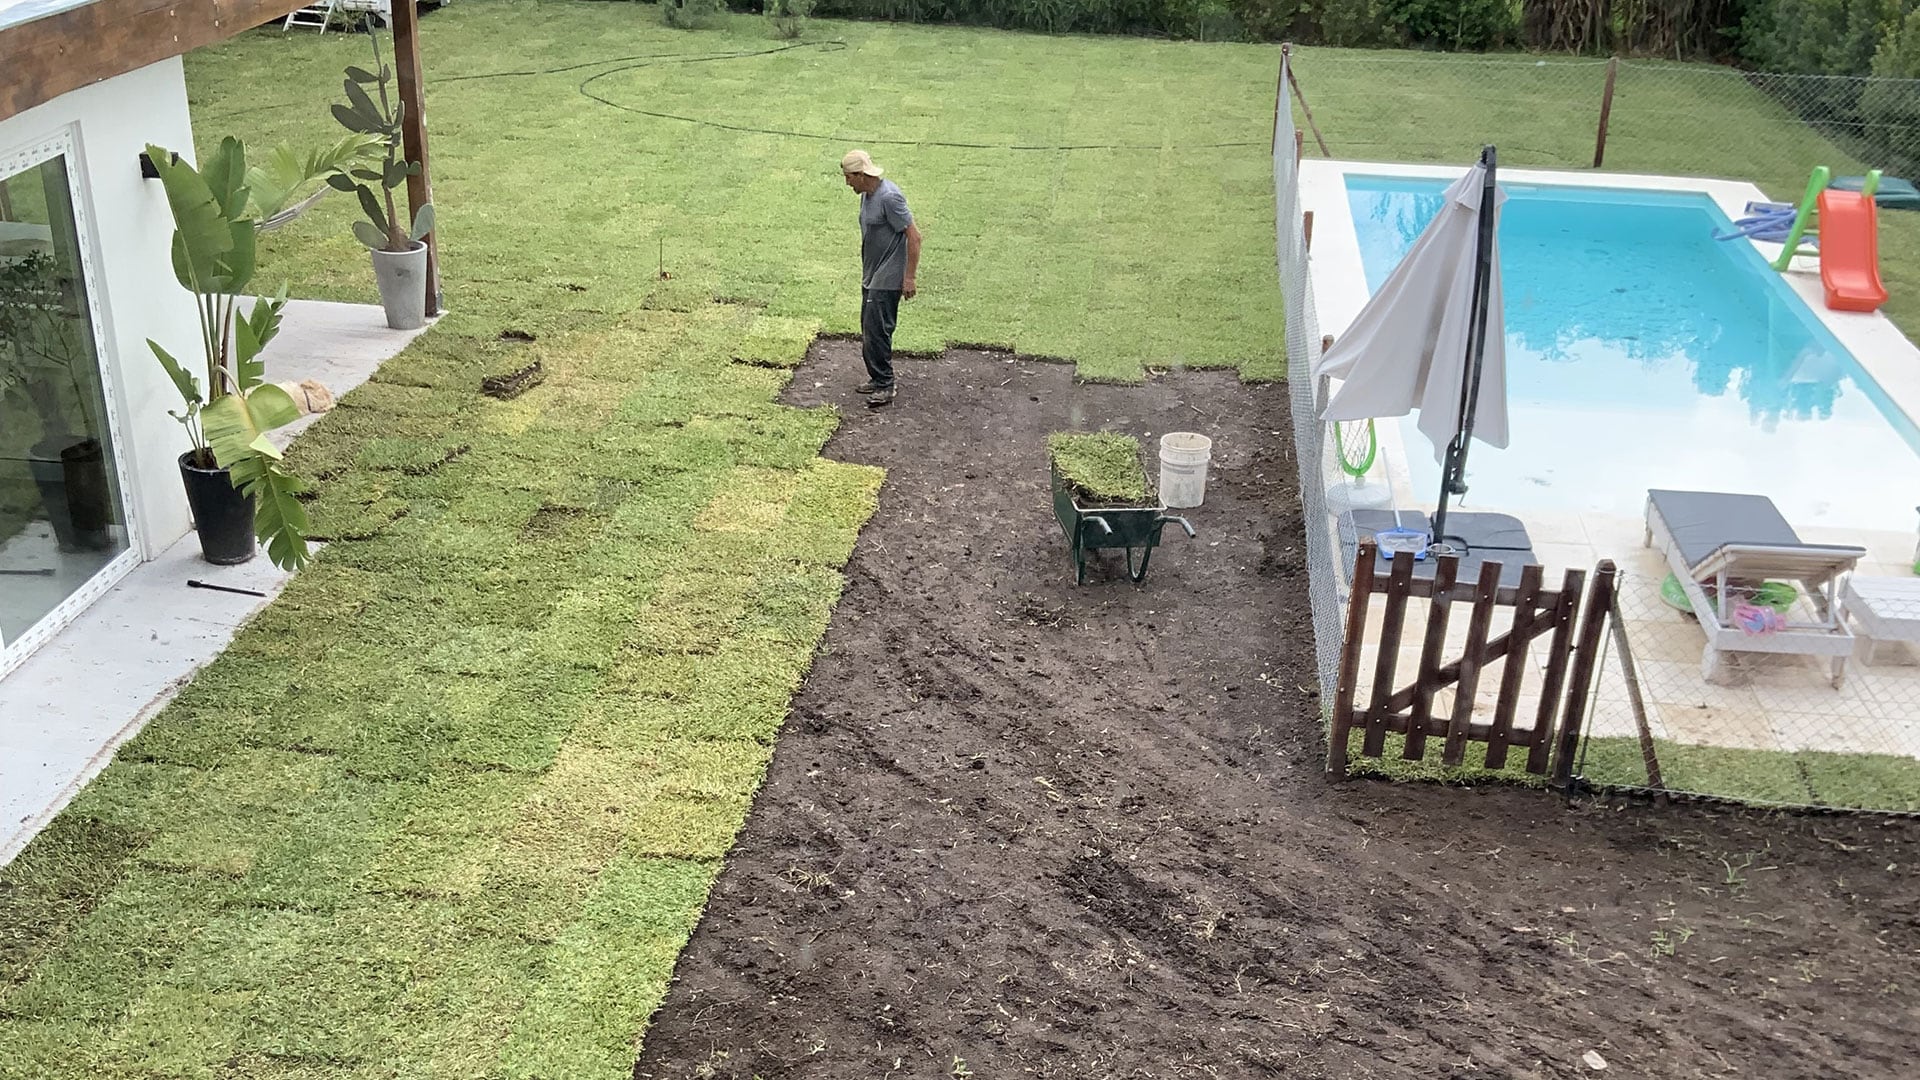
(884, 218)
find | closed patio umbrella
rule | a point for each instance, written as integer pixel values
(1432, 338)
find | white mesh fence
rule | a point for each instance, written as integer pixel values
(1312, 439)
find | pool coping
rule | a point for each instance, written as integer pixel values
(1881, 349)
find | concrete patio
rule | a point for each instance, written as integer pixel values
(71, 704)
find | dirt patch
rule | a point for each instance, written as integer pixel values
(1019, 828)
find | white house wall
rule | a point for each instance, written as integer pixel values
(133, 291)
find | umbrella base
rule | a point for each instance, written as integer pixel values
(1477, 538)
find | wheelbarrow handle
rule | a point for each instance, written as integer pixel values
(1180, 521)
(1096, 519)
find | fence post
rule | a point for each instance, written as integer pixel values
(1280, 99)
(1306, 229)
(1606, 110)
(1305, 109)
(1586, 657)
(1341, 728)
(1648, 755)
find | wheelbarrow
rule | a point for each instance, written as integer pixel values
(1134, 528)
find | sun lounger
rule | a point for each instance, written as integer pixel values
(1730, 542)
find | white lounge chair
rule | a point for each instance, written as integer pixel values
(1726, 541)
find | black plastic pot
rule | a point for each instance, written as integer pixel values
(89, 497)
(74, 492)
(221, 513)
(51, 479)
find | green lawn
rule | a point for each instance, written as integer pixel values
(450, 807)
(1159, 253)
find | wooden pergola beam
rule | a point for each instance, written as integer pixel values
(72, 49)
(413, 132)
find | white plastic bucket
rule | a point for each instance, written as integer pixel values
(1183, 468)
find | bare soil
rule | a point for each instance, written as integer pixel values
(1016, 827)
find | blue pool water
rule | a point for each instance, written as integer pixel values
(1643, 353)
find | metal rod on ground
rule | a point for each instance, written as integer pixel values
(194, 584)
(1606, 110)
(1635, 700)
(1294, 81)
(1453, 471)
(45, 571)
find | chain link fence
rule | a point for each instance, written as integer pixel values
(1766, 728)
(1642, 116)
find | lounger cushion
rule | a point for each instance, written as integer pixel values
(1702, 522)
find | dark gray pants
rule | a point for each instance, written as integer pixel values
(879, 311)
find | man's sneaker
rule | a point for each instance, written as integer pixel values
(869, 387)
(882, 396)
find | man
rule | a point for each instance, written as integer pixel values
(889, 257)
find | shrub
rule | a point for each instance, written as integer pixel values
(1453, 24)
(691, 14)
(789, 17)
(1891, 110)
(1351, 24)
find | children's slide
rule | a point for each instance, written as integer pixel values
(1850, 251)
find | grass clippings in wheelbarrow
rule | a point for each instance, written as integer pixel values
(1104, 468)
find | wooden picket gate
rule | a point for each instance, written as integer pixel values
(1403, 704)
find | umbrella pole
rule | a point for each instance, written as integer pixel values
(1453, 471)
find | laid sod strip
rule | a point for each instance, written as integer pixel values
(1103, 467)
(558, 207)
(452, 804)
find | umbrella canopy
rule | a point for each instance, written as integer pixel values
(1409, 347)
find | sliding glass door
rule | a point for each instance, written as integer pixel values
(63, 520)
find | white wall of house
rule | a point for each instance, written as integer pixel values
(129, 233)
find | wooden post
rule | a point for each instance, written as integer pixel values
(1294, 80)
(1280, 100)
(406, 67)
(1399, 587)
(1634, 698)
(1428, 679)
(1606, 110)
(1586, 659)
(1540, 745)
(1306, 228)
(1344, 687)
(1472, 660)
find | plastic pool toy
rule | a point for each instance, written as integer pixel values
(1776, 596)
(1850, 241)
(1757, 618)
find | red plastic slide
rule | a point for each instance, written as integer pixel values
(1850, 251)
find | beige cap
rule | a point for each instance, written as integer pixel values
(859, 161)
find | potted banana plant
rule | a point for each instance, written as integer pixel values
(236, 479)
(399, 249)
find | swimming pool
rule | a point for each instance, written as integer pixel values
(1643, 353)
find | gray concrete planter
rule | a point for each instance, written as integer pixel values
(402, 276)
